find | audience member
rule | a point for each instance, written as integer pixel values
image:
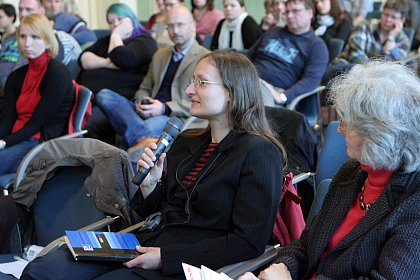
(372, 39)
(162, 92)
(159, 31)
(331, 21)
(291, 59)
(7, 23)
(369, 223)
(157, 17)
(356, 9)
(117, 62)
(206, 211)
(274, 14)
(206, 17)
(8, 35)
(238, 30)
(10, 58)
(38, 97)
(68, 23)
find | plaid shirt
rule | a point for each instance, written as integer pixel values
(365, 43)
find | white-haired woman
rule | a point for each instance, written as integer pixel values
(369, 225)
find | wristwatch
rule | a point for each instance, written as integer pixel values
(283, 98)
(2, 144)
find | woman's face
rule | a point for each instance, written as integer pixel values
(208, 100)
(354, 141)
(200, 3)
(30, 43)
(5, 21)
(115, 20)
(232, 9)
(323, 6)
(279, 9)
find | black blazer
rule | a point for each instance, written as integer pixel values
(384, 244)
(233, 205)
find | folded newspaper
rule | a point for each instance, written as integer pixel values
(203, 273)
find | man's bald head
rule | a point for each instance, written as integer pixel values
(181, 26)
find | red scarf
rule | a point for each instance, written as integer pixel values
(30, 95)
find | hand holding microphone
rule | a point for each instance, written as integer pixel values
(149, 157)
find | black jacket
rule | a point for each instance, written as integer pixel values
(383, 245)
(232, 207)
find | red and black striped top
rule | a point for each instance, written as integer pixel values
(193, 175)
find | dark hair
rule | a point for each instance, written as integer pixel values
(246, 109)
(400, 6)
(9, 10)
(336, 12)
(209, 4)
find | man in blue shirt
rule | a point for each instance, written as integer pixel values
(291, 60)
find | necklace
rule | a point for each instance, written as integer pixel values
(361, 198)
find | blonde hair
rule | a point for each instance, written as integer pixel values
(42, 27)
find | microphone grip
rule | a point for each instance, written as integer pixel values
(142, 172)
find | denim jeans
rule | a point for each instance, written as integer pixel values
(124, 119)
(10, 157)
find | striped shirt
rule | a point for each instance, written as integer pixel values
(192, 176)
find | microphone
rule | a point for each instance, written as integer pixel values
(170, 131)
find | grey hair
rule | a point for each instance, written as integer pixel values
(381, 101)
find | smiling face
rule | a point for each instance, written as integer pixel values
(298, 17)
(208, 101)
(30, 43)
(232, 9)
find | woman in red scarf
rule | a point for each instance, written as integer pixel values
(38, 96)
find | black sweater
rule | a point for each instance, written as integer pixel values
(51, 115)
(250, 30)
(133, 60)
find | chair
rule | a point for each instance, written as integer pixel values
(207, 41)
(410, 32)
(335, 47)
(71, 204)
(309, 104)
(100, 33)
(320, 194)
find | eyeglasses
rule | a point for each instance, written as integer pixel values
(198, 83)
(294, 11)
(392, 16)
(178, 25)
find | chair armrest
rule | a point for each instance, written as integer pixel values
(302, 176)
(292, 105)
(133, 227)
(57, 243)
(237, 269)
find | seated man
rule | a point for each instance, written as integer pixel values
(373, 39)
(69, 23)
(162, 92)
(291, 59)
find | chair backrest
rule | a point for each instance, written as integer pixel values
(410, 32)
(320, 194)
(335, 47)
(207, 41)
(100, 33)
(309, 104)
(83, 102)
(74, 68)
(63, 203)
(333, 154)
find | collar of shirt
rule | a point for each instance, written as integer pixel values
(176, 56)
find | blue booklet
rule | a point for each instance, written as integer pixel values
(102, 246)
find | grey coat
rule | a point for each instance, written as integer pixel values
(109, 183)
